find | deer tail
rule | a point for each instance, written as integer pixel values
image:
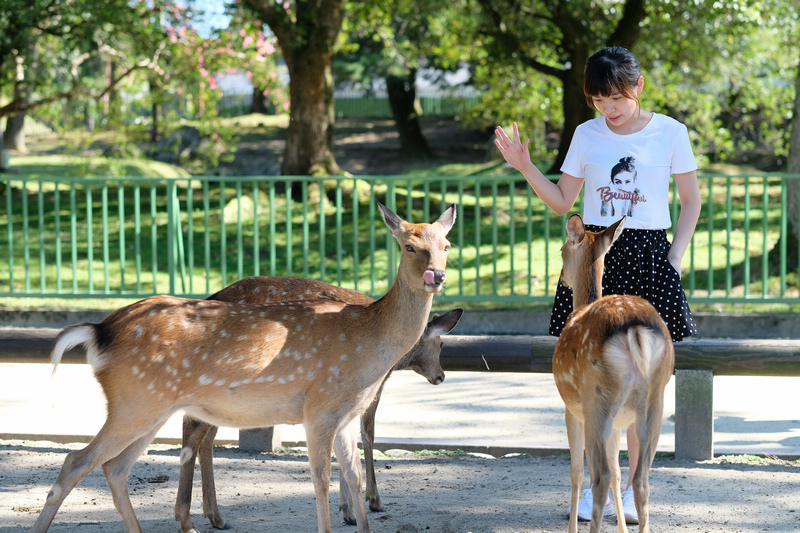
(647, 347)
(79, 334)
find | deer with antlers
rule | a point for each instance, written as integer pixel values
(611, 366)
(198, 436)
(319, 363)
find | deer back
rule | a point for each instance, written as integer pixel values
(610, 346)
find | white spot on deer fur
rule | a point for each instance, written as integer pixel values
(311, 374)
(241, 338)
(135, 349)
(151, 386)
(307, 355)
(235, 384)
(205, 380)
(137, 330)
(185, 363)
(256, 290)
(213, 327)
(205, 356)
(186, 455)
(342, 337)
(359, 348)
(157, 358)
(220, 382)
(224, 333)
(281, 381)
(291, 377)
(335, 370)
(135, 370)
(344, 357)
(585, 336)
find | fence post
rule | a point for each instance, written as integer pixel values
(260, 439)
(694, 414)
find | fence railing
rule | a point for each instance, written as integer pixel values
(134, 237)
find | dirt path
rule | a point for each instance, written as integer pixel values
(421, 493)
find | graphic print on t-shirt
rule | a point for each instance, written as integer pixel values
(621, 195)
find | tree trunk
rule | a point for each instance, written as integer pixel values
(575, 110)
(403, 101)
(307, 34)
(309, 138)
(258, 104)
(792, 191)
(14, 135)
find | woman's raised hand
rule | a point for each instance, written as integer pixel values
(514, 152)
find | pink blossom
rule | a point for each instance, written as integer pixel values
(286, 106)
(204, 72)
(242, 33)
(247, 41)
(212, 81)
(286, 6)
(269, 49)
(173, 38)
(248, 75)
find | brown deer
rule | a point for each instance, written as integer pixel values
(611, 365)
(198, 436)
(319, 363)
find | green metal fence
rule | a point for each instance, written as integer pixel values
(134, 237)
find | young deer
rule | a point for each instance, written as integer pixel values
(198, 436)
(318, 363)
(611, 365)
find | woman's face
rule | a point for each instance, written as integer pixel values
(619, 111)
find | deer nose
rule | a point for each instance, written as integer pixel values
(438, 276)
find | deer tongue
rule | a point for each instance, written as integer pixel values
(428, 277)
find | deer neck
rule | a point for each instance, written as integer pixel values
(590, 288)
(399, 318)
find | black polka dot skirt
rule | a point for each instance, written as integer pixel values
(637, 264)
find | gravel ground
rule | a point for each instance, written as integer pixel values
(439, 493)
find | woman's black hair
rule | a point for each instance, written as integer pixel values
(611, 69)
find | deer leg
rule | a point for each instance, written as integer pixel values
(598, 432)
(576, 441)
(117, 472)
(346, 449)
(367, 441)
(612, 458)
(195, 436)
(112, 439)
(648, 428)
(345, 498)
(210, 507)
(319, 436)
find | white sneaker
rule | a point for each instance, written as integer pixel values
(585, 506)
(629, 507)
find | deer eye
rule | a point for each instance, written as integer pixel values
(446, 247)
(409, 248)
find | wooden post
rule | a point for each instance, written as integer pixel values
(694, 414)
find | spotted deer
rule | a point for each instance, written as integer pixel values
(198, 436)
(611, 365)
(319, 363)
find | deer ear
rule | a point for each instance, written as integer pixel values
(615, 229)
(448, 218)
(576, 231)
(393, 221)
(443, 324)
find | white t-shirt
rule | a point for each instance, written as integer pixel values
(629, 174)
